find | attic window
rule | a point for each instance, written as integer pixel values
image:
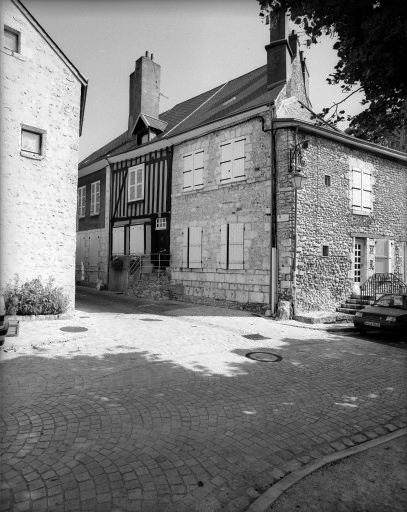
(11, 39)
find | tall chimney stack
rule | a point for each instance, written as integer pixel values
(278, 51)
(144, 90)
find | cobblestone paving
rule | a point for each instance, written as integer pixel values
(170, 415)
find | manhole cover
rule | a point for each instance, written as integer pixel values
(264, 357)
(150, 319)
(255, 336)
(73, 328)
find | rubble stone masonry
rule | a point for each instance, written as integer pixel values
(215, 204)
(38, 195)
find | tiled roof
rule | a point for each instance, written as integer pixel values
(243, 93)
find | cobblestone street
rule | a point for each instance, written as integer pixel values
(156, 408)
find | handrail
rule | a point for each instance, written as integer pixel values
(380, 284)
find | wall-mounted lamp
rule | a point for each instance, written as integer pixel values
(298, 178)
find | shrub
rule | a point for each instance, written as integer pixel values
(33, 298)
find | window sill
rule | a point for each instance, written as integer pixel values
(135, 201)
(33, 156)
(94, 214)
(363, 214)
(17, 55)
(80, 217)
(229, 181)
(192, 189)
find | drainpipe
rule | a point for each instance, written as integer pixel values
(273, 212)
(109, 193)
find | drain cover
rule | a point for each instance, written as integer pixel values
(150, 320)
(73, 328)
(255, 336)
(264, 357)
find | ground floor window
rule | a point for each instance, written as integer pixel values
(358, 262)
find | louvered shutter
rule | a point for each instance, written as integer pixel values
(188, 176)
(236, 246)
(226, 161)
(185, 239)
(366, 192)
(140, 183)
(238, 158)
(356, 189)
(195, 247)
(198, 168)
(131, 191)
(223, 262)
(97, 198)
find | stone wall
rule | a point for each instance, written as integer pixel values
(38, 196)
(325, 217)
(245, 201)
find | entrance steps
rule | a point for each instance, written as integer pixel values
(353, 304)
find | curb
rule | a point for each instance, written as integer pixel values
(265, 501)
(35, 318)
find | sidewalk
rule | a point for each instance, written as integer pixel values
(375, 480)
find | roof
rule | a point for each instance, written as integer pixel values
(238, 95)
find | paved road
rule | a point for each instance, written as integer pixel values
(156, 408)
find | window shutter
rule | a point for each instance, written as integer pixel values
(223, 246)
(195, 247)
(356, 189)
(185, 244)
(131, 196)
(198, 168)
(118, 241)
(188, 178)
(98, 197)
(236, 246)
(136, 242)
(366, 192)
(238, 158)
(81, 201)
(140, 183)
(226, 161)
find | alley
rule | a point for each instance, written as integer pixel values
(155, 407)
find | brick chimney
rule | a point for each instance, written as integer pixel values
(279, 52)
(144, 90)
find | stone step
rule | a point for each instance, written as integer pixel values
(358, 296)
(347, 311)
(358, 301)
(352, 305)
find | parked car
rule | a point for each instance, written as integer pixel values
(389, 312)
(3, 320)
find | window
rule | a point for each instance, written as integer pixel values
(192, 248)
(11, 40)
(118, 241)
(193, 170)
(232, 246)
(327, 180)
(135, 187)
(357, 263)
(160, 223)
(232, 160)
(81, 202)
(32, 143)
(325, 250)
(361, 191)
(95, 198)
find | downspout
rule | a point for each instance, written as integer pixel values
(109, 244)
(273, 213)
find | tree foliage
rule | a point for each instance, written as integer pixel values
(371, 42)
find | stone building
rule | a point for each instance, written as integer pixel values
(42, 101)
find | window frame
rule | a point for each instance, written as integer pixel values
(37, 131)
(193, 170)
(82, 199)
(161, 223)
(94, 202)
(135, 169)
(17, 33)
(232, 177)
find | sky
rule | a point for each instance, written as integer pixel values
(199, 45)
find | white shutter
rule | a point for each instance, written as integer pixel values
(198, 168)
(226, 161)
(195, 247)
(366, 192)
(97, 208)
(238, 158)
(140, 183)
(383, 256)
(185, 236)
(236, 246)
(356, 188)
(131, 190)
(136, 243)
(118, 241)
(188, 178)
(223, 246)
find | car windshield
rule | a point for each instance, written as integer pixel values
(392, 301)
